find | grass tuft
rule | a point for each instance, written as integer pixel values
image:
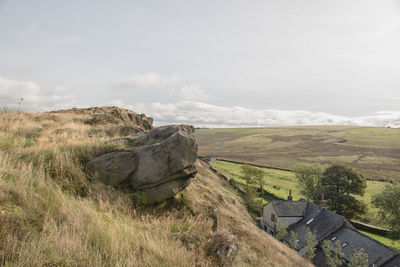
(51, 214)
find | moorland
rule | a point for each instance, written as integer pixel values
(375, 152)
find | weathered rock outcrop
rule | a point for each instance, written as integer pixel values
(117, 121)
(159, 166)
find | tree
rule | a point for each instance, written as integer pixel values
(387, 202)
(254, 204)
(359, 259)
(311, 239)
(293, 240)
(333, 253)
(253, 175)
(281, 229)
(258, 177)
(309, 180)
(247, 173)
(340, 182)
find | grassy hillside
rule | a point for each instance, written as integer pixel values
(374, 151)
(52, 215)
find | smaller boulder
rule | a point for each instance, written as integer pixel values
(224, 249)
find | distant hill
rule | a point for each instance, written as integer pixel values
(374, 151)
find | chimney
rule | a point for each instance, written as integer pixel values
(290, 198)
(323, 203)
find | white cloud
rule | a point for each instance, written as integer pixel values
(167, 86)
(148, 80)
(35, 97)
(192, 93)
(206, 115)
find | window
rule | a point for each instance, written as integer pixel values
(333, 238)
(344, 244)
(310, 221)
(272, 217)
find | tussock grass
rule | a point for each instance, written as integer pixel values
(52, 215)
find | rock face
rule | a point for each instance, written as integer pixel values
(118, 121)
(159, 166)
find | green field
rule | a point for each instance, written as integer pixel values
(373, 151)
(286, 180)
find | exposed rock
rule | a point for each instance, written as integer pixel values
(215, 215)
(224, 249)
(161, 192)
(122, 130)
(113, 168)
(124, 121)
(159, 166)
(169, 155)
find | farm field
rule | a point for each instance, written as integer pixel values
(373, 151)
(278, 183)
(286, 180)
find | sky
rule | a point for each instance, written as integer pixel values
(221, 63)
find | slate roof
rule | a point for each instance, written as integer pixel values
(324, 223)
(378, 253)
(395, 262)
(289, 208)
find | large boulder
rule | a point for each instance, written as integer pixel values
(159, 166)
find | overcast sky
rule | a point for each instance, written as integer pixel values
(210, 63)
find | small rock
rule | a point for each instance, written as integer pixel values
(224, 249)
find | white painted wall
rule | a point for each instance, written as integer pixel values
(267, 211)
(267, 224)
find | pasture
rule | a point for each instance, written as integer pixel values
(373, 151)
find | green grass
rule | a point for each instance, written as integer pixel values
(374, 151)
(286, 180)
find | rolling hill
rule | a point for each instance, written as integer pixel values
(374, 151)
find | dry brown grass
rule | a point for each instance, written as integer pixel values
(51, 215)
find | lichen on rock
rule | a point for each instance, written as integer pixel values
(160, 165)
